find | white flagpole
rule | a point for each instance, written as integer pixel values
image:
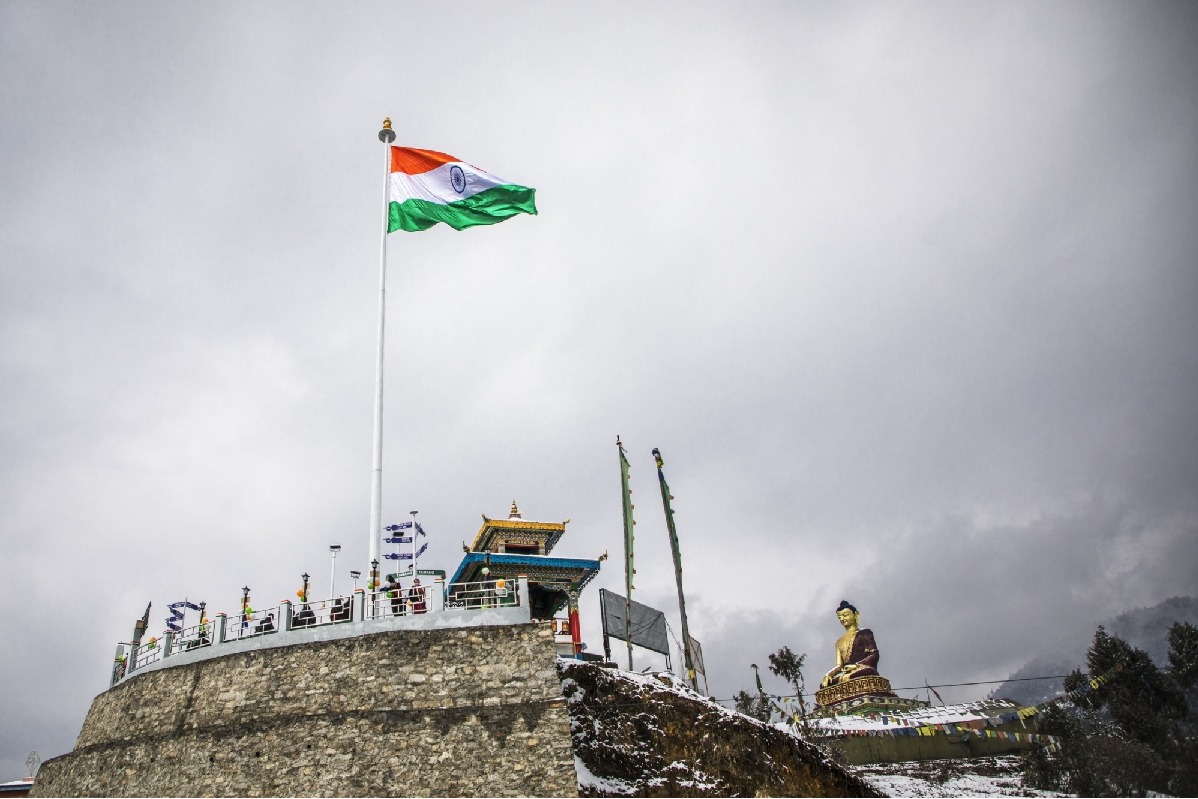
(386, 136)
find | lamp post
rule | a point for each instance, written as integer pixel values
(373, 585)
(355, 574)
(304, 576)
(333, 548)
(245, 603)
(413, 512)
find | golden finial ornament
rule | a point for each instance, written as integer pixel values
(515, 513)
(386, 135)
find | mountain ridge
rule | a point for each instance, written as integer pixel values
(1144, 628)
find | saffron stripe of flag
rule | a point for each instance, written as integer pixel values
(427, 187)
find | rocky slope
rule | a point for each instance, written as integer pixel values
(648, 735)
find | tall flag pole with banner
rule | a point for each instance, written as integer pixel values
(629, 570)
(687, 659)
(386, 136)
(420, 189)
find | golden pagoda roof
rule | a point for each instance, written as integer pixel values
(549, 532)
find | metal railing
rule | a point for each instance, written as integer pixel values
(194, 637)
(482, 595)
(253, 624)
(149, 652)
(404, 602)
(360, 607)
(325, 611)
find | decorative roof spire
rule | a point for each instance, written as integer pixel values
(515, 514)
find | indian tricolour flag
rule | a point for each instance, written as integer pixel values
(428, 187)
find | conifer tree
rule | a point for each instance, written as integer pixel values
(1126, 737)
(1183, 654)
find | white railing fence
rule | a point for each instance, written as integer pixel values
(324, 611)
(149, 652)
(361, 606)
(189, 638)
(483, 595)
(252, 624)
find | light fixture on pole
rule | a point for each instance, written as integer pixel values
(374, 575)
(304, 577)
(334, 548)
(355, 574)
(413, 512)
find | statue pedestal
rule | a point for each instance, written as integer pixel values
(851, 689)
(862, 696)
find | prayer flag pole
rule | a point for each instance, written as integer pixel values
(665, 501)
(386, 136)
(629, 570)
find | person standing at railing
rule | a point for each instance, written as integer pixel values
(305, 618)
(396, 594)
(416, 597)
(341, 610)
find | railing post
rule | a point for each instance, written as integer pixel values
(285, 614)
(222, 621)
(168, 639)
(522, 586)
(122, 669)
(436, 597)
(359, 607)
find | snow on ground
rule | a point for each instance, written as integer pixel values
(609, 785)
(988, 776)
(967, 714)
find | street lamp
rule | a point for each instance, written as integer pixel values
(304, 576)
(355, 574)
(334, 548)
(413, 512)
(374, 574)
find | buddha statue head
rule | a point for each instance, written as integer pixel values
(847, 614)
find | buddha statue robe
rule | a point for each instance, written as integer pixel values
(859, 649)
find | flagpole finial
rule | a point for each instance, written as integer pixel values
(386, 135)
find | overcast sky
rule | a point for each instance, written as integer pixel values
(907, 295)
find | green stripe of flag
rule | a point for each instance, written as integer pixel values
(485, 208)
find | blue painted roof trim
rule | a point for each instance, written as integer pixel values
(589, 566)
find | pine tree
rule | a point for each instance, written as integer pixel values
(1183, 654)
(1125, 738)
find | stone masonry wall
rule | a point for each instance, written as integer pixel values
(463, 712)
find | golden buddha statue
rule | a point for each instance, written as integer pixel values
(856, 651)
(855, 686)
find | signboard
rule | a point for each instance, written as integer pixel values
(434, 573)
(646, 626)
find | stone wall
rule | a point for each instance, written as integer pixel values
(463, 712)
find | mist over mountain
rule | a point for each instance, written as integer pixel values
(1144, 628)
